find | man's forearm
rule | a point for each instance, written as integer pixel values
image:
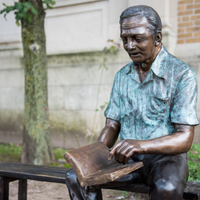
(110, 132)
(178, 142)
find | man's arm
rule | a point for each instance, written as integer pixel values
(178, 142)
(110, 132)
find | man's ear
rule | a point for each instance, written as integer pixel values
(158, 38)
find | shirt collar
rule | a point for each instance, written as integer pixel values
(158, 66)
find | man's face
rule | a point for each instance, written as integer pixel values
(137, 39)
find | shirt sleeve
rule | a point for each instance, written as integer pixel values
(113, 109)
(185, 100)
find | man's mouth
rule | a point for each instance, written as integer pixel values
(134, 54)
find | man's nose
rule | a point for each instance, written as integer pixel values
(131, 44)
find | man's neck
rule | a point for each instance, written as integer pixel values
(143, 68)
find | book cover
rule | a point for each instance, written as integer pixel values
(92, 167)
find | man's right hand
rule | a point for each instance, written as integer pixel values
(124, 149)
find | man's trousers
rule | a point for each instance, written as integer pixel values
(166, 176)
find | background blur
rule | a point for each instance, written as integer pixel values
(77, 31)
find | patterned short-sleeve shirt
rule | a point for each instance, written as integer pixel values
(149, 109)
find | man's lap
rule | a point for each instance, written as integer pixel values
(168, 168)
(164, 174)
(172, 168)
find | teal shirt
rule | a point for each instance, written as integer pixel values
(149, 109)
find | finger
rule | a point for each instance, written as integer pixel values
(128, 155)
(113, 149)
(119, 152)
(123, 153)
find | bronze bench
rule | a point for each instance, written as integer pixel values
(14, 171)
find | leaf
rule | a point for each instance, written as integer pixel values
(17, 17)
(34, 11)
(49, 3)
(48, 6)
(53, 3)
(17, 23)
(9, 8)
(102, 107)
(28, 4)
(25, 10)
(18, 6)
(20, 15)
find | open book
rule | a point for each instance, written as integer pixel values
(92, 167)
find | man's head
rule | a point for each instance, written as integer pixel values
(154, 21)
(141, 32)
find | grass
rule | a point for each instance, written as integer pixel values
(194, 162)
(12, 153)
(58, 152)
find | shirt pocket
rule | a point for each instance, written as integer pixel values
(158, 105)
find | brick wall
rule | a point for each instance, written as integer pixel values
(188, 21)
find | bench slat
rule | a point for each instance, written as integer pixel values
(39, 173)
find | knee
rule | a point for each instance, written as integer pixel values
(168, 190)
(71, 177)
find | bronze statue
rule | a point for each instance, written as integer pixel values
(153, 108)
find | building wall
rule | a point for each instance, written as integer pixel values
(76, 32)
(188, 21)
(188, 42)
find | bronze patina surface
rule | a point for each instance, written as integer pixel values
(158, 132)
(92, 170)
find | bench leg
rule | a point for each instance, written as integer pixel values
(4, 188)
(22, 193)
(1, 188)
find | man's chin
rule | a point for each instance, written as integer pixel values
(136, 59)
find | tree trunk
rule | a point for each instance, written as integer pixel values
(37, 147)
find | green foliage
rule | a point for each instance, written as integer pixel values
(49, 3)
(194, 163)
(59, 152)
(124, 193)
(60, 165)
(102, 107)
(10, 153)
(24, 10)
(113, 48)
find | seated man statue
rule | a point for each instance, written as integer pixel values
(153, 107)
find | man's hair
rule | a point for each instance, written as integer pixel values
(154, 21)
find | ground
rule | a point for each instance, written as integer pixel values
(38, 190)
